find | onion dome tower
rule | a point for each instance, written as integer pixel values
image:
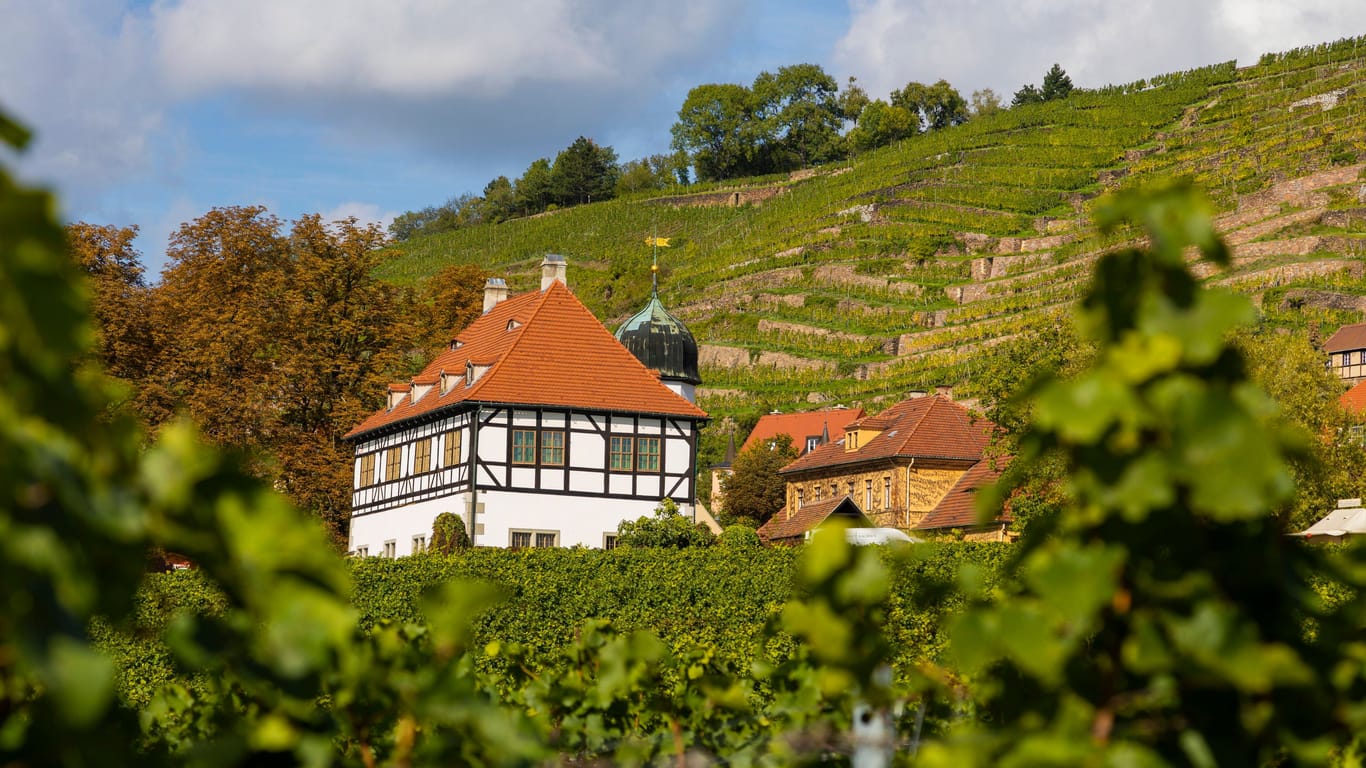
(662, 342)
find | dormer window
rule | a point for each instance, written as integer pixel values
(513, 324)
(448, 381)
(474, 370)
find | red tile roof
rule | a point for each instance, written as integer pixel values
(556, 354)
(1347, 338)
(958, 508)
(810, 515)
(923, 427)
(800, 426)
(1354, 399)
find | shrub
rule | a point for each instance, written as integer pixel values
(739, 537)
(448, 534)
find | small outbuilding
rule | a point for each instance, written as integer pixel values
(1349, 519)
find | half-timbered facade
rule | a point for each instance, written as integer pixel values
(1347, 353)
(536, 426)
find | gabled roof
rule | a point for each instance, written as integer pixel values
(1354, 399)
(1347, 338)
(958, 508)
(806, 518)
(800, 426)
(555, 354)
(923, 427)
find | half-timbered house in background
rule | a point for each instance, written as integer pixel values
(536, 426)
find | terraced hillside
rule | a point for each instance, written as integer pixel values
(903, 268)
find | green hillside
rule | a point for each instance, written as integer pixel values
(904, 267)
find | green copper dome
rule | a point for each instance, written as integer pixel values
(661, 341)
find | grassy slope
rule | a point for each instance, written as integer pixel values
(841, 264)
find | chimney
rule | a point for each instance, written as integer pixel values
(944, 391)
(495, 290)
(552, 270)
(916, 394)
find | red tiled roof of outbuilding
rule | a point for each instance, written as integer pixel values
(805, 518)
(543, 348)
(1354, 399)
(800, 426)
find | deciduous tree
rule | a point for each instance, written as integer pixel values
(880, 124)
(936, 106)
(985, 102)
(120, 300)
(799, 116)
(755, 490)
(716, 127)
(532, 192)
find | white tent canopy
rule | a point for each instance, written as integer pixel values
(1347, 520)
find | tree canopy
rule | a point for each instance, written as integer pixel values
(1056, 85)
(935, 106)
(754, 490)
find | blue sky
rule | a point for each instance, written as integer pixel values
(151, 113)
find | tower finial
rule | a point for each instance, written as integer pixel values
(654, 267)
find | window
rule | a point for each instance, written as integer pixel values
(523, 446)
(886, 493)
(622, 457)
(1363, 357)
(799, 498)
(552, 448)
(1345, 356)
(525, 539)
(419, 544)
(362, 551)
(390, 548)
(422, 456)
(867, 494)
(451, 454)
(1357, 434)
(834, 490)
(647, 454)
(811, 443)
(393, 464)
(367, 470)
(851, 489)
(609, 541)
(817, 495)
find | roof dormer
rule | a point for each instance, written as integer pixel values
(422, 385)
(474, 370)
(448, 381)
(396, 394)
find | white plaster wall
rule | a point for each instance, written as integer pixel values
(579, 520)
(403, 523)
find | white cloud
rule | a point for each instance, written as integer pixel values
(984, 43)
(364, 213)
(505, 78)
(420, 47)
(77, 73)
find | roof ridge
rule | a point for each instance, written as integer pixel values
(488, 375)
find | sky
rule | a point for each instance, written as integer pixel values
(152, 112)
